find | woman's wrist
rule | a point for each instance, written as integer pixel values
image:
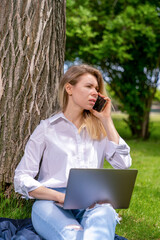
(111, 131)
(106, 120)
(60, 197)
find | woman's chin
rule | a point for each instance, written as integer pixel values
(89, 108)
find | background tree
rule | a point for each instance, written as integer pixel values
(123, 39)
(32, 42)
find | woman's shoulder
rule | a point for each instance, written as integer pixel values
(48, 121)
(45, 124)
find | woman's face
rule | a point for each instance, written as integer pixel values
(85, 92)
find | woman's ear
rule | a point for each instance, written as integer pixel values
(68, 88)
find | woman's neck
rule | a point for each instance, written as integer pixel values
(76, 117)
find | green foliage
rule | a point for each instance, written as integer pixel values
(157, 95)
(123, 39)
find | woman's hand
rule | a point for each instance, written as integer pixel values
(99, 202)
(60, 198)
(106, 112)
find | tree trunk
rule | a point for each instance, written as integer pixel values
(140, 127)
(145, 124)
(32, 44)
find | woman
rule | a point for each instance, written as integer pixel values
(76, 137)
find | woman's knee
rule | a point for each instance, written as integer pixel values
(106, 209)
(104, 212)
(47, 229)
(50, 220)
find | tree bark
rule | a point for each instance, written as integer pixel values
(32, 45)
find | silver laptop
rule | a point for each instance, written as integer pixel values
(88, 186)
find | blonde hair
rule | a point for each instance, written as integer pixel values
(93, 124)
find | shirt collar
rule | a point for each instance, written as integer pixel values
(61, 115)
(56, 117)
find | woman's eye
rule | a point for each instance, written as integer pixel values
(90, 86)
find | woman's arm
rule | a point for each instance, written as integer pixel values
(47, 194)
(105, 118)
(111, 131)
(116, 151)
(28, 167)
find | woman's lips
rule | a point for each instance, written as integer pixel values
(92, 101)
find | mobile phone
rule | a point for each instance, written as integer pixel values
(99, 104)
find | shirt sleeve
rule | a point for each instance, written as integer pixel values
(28, 167)
(118, 155)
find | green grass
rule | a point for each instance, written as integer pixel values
(141, 221)
(15, 207)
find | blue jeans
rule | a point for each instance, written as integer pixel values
(54, 223)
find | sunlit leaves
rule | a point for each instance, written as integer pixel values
(115, 35)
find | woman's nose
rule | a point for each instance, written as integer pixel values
(95, 92)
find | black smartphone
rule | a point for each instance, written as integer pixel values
(99, 104)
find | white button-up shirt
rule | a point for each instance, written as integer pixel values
(61, 147)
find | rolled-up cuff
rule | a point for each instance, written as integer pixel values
(25, 185)
(118, 155)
